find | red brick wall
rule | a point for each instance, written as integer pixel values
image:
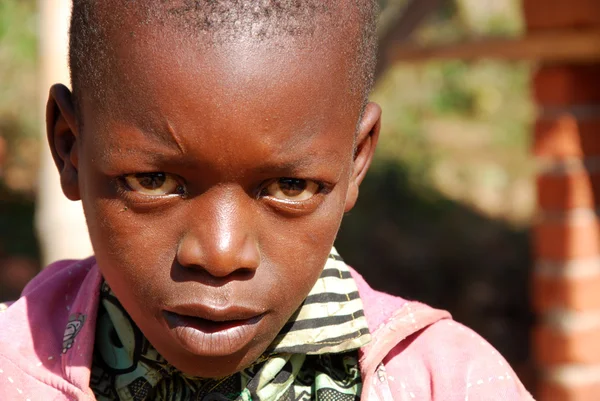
(551, 14)
(566, 236)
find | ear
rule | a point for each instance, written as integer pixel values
(366, 141)
(61, 128)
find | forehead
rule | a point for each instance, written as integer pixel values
(180, 30)
(269, 94)
(154, 68)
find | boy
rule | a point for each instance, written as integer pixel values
(215, 146)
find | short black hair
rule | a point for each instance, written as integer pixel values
(89, 50)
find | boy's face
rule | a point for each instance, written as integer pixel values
(214, 180)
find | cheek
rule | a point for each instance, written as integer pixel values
(299, 249)
(134, 251)
(121, 234)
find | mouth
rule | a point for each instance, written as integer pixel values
(213, 332)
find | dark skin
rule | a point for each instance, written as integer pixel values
(214, 186)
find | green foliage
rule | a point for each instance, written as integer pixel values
(18, 29)
(18, 56)
(462, 127)
(453, 97)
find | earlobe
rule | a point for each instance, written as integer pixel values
(61, 129)
(366, 142)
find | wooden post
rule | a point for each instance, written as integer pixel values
(60, 223)
(566, 236)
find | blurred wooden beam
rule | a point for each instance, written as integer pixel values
(568, 45)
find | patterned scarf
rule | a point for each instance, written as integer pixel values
(314, 356)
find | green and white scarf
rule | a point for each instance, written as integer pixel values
(314, 357)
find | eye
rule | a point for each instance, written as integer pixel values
(292, 189)
(154, 184)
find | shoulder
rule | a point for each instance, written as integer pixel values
(45, 303)
(378, 306)
(419, 352)
(31, 339)
(17, 383)
(60, 273)
(448, 361)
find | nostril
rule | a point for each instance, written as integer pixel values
(206, 276)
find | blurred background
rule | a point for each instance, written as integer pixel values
(471, 204)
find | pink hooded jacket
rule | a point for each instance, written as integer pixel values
(417, 353)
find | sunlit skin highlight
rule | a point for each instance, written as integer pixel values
(214, 181)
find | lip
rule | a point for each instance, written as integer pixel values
(207, 331)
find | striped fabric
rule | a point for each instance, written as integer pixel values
(331, 319)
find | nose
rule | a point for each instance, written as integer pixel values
(220, 239)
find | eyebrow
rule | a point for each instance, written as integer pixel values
(157, 137)
(157, 148)
(292, 166)
(162, 138)
(174, 137)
